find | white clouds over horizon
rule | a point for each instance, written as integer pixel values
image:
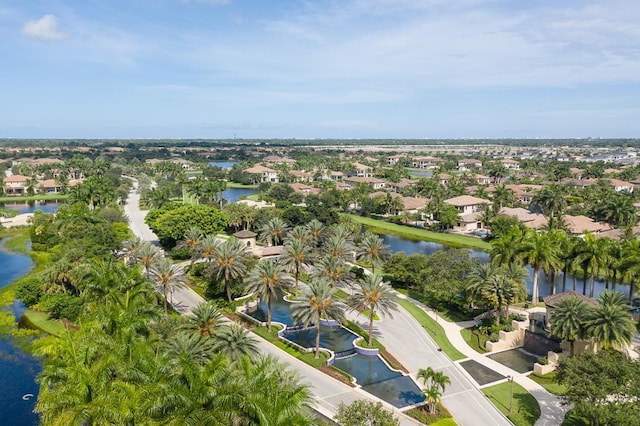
(45, 28)
(407, 66)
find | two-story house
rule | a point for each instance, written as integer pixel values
(470, 212)
(263, 174)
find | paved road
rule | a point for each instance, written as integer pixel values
(329, 393)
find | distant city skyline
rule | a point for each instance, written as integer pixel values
(351, 69)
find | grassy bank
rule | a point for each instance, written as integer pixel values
(240, 186)
(39, 197)
(420, 234)
(41, 321)
(476, 341)
(548, 381)
(435, 330)
(307, 357)
(525, 409)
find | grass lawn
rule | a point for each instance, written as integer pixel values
(252, 197)
(472, 340)
(449, 315)
(41, 321)
(430, 325)
(34, 198)
(548, 381)
(240, 186)
(525, 410)
(17, 240)
(420, 234)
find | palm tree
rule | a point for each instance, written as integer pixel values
(169, 277)
(273, 232)
(567, 320)
(592, 254)
(436, 381)
(333, 269)
(265, 281)
(316, 230)
(504, 250)
(147, 255)
(373, 294)
(503, 196)
(131, 248)
(610, 324)
(283, 399)
(206, 318)
(208, 247)
(235, 342)
(300, 233)
(191, 241)
(630, 264)
(372, 249)
(538, 251)
(230, 263)
(316, 302)
(295, 254)
(551, 200)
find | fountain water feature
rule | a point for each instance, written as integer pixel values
(370, 371)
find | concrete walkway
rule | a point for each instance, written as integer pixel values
(552, 412)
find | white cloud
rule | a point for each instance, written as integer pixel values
(45, 28)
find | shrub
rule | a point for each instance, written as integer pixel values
(181, 253)
(29, 291)
(61, 305)
(543, 360)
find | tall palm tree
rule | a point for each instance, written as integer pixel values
(372, 249)
(274, 231)
(610, 324)
(169, 277)
(147, 256)
(265, 281)
(230, 263)
(131, 248)
(504, 250)
(539, 252)
(593, 254)
(316, 302)
(551, 200)
(316, 230)
(503, 196)
(333, 269)
(630, 264)
(300, 233)
(568, 320)
(191, 241)
(206, 319)
(235, 342)
(295, 254)
(374, 295)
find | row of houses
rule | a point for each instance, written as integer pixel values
(16, 185)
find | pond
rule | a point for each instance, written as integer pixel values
(235, 194)
(224, 164)
(47, 206)
(408, 246)
(18, 369)
(421, 173)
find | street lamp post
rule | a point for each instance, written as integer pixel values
(510, 380)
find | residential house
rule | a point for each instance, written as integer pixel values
(399, 186)
(469, 164)
(527, 218)
(363, 171)
(184, 164)
(263, 174)
(394, 159)
(620, 185)
(413, 205)
(300, 176)
(482, 180)
(579, 225)
(305, 190)
(274, 159)
(16, 184)
(443, 178)
(425, 162)
(470, 212)
(375, 183)
(510, 164)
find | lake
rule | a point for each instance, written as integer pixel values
(47, 206)
(398, 244)
(234, 194)
(18, 369)
(223, 164)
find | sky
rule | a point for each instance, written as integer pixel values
(347, 69)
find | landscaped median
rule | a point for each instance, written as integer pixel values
(383, 227)
(436, 331)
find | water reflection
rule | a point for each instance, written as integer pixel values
(398, 244)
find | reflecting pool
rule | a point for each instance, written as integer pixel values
(516, 359)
